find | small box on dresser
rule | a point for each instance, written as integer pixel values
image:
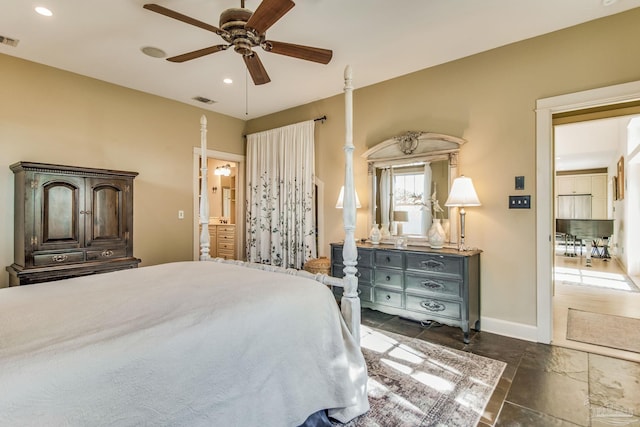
(417, 283)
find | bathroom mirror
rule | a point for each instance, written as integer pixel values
(409, 180)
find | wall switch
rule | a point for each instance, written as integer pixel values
(519, 202)
(519, 182)
(180, 214)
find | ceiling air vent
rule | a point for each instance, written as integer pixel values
(203, 99)
(9, 41)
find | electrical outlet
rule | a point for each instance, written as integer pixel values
(180, 214)
(519, 202)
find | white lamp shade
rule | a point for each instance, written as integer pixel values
(462, 193)
(339, 204)
(401, 216)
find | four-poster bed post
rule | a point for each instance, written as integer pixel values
(350, 303)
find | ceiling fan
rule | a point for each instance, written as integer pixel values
(244, 30)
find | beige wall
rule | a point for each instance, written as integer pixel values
(52, 116)
(488, 99)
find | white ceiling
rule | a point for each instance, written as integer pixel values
(590, 145)
(380, 39)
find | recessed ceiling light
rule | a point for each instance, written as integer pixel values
(228, 81)
(153, 52)
(608, 2)
(43, 11)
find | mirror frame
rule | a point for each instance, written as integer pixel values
(409, 147)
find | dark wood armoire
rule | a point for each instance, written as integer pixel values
(70, 221)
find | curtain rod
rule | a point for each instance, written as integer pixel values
(319, 119)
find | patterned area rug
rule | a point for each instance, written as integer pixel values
(606, 330)
(416, 383)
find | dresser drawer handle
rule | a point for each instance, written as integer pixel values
(432, 305)
(388, 259)
(107, 253)
(59, 258)
(432, 284)
(388, 278)
(358, 274)
(388, 297)
(433, 265)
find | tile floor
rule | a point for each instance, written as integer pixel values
(542, 385)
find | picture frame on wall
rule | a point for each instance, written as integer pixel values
(614, 187)
(620, 179)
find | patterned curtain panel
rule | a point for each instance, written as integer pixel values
(280, 196)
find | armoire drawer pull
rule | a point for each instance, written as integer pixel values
(432, 305)
(107, 253)
(59, 258)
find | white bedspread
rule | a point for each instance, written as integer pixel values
(179, 344)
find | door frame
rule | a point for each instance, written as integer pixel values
(240, 211)
(545, 109)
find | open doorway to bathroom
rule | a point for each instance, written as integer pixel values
(225, 184)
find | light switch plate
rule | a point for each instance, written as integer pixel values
(519, 202)
(519, 182)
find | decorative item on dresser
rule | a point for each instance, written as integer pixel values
(418, 283)
(70, 221)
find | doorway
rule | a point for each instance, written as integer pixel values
(225, 191)
(609, 97)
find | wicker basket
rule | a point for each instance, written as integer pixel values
(318, 265)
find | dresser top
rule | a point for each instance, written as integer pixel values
(426, 249)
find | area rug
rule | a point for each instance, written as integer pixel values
(606, 330)
(417, 383)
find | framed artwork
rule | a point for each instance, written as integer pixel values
(620, 179)
(614, 187)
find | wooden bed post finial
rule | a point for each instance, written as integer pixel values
(204, 198)
(350, 303)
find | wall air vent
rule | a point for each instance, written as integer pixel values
(203, 100)
(9, 41)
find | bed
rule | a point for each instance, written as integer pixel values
(186, 343)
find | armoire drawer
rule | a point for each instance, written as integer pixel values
(59, 258)
(106, 254)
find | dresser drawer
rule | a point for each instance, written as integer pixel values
(364, 292)
(55, 259)
(229, 246)
(364, 274)
(226, 229)
(437, 285)
(106, 254)
(391, 259)
(387, 297)
(365, 256)
(389, 277)
(434, 307)
(435, 263)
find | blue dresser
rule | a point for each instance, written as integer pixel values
(420, 284)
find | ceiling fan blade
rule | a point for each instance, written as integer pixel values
(267, 13)
(315, 54)
(256, 69)
(198, 53)
(183, 18)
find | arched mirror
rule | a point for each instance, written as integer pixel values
(410, 176)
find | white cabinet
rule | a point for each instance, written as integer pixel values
(594, 185)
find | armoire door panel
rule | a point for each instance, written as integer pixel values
(106, 221)
(57, 205)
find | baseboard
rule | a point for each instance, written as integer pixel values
(509, 329)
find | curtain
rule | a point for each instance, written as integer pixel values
(427, 199)
(280, 196)
(385, 196)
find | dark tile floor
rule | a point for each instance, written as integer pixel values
(542, 385)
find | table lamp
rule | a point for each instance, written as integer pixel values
(340, 202)
(400, 217)
(462, 194)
